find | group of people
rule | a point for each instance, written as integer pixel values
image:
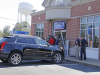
(53, 40)
(80, 45)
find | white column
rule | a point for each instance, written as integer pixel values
(29, 18)
(26, 18)
(18, 17)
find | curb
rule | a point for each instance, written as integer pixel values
(82, 63)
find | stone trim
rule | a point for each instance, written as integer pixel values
(86, 15)
(59, 7)
(39, 22)
(78, 2)
(37, 13)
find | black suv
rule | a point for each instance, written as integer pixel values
(14, 49)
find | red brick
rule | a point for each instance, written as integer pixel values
(82, 9)
(73, 30)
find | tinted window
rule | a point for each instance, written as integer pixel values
(19, 40)
(10, 40)
(40, 41)
(7, 39)
(27, 40)
(3, 40)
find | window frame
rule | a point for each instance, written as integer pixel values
(93, 22)
(39, 27)
(25, 43)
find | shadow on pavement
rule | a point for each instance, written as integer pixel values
(64, 63)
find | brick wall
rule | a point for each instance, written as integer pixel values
(47, 25)
(33, 27)
(82, 9)
(73, 30)
(36, 19)
(47, 29)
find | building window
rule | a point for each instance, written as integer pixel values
(59, 3)
(89, 28)
(39, 30)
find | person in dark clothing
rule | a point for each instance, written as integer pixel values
(57, 43)
(42, 37)
(77, 47)
(49, 37)
(83, 48)
(51, 41)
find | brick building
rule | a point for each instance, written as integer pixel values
(69, 19)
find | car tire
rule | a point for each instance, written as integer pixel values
(57, 58)
(3, 60)
(15, 58)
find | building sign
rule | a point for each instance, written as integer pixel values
(20, 32)
(59, 25)
(59, 3)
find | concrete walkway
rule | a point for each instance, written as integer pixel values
(89, 62)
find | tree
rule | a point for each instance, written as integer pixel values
(6, 31)
(1, 34)
(17, 27)
(23, 26)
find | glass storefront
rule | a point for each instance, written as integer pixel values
(89, 28)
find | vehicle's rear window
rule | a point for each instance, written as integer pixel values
(7, 39)
(3, 40)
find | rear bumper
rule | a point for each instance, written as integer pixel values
(3, 55)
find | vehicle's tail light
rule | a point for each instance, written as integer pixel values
(2, 46)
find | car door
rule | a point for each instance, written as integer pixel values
(29, 48)
(43, 50)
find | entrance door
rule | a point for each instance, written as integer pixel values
(62, 37)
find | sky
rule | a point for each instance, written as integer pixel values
(9, 11)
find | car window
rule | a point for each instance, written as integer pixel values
(18, 40)
(3, 40)
(40, 41)
(27, 40)
(7, 39)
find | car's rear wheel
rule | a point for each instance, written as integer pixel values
(3, 60)
(15, 58)
(57, 57)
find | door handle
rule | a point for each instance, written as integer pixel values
(23, 45)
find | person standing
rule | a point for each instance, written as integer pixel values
(83, 48)
(77, 45)
(54, 39)
(57, 43)
(51, 41)
(42, 37)
(49, 37)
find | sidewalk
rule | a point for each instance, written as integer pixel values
(89, 62)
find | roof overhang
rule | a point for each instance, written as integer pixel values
(44, 2)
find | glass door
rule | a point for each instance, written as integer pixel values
(62, 37)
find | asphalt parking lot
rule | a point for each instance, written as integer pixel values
(38, 67)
